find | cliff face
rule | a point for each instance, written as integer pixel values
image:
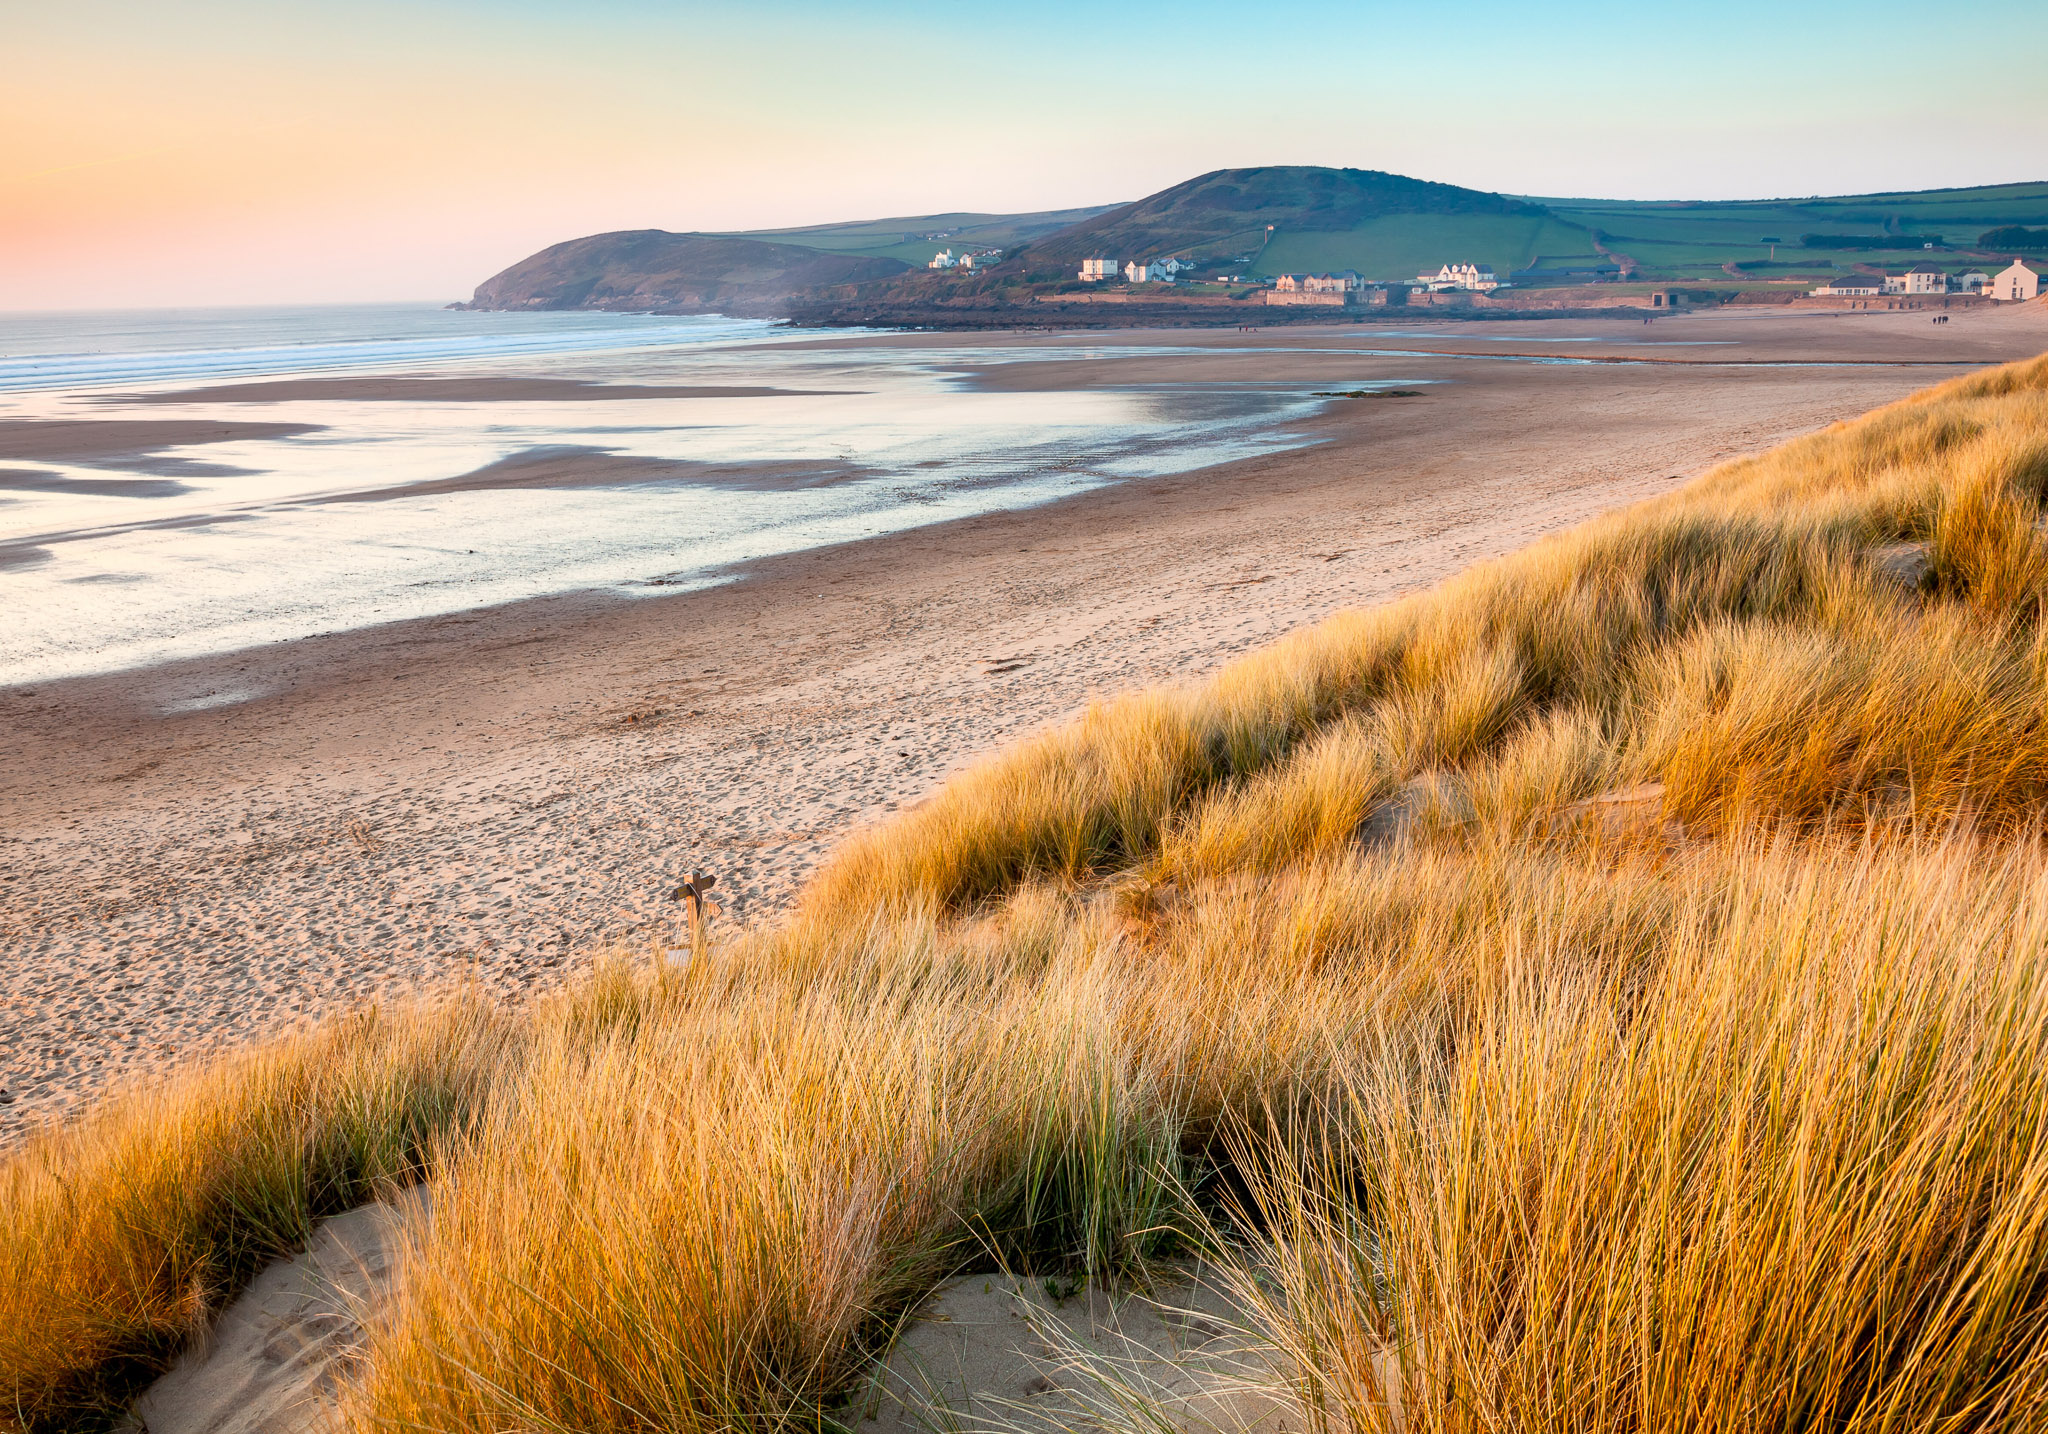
(652, 269)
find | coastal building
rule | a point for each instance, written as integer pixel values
(1478, 277)
(1926, 279)
(1347, 282)
(981, 259)
(2015, 284)
(1851, 286)
(1156, 271)
(1974, 282)
(1333, 289)
(942, 260)
(1094, 271)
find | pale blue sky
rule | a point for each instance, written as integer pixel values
(223, 148)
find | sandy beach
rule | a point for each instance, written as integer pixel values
(199, 852)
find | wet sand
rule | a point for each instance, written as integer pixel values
(204, 851)
(406, 388)
(136, 445)
(569, 465)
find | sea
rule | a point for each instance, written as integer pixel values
(154, 505)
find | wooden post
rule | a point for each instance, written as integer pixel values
(695, 890)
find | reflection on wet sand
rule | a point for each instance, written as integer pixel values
(570, 465)
(136, 445)
(284, 504)
(390, 388)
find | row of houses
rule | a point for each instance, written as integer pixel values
(1476, 277)
(2015, 283)
(1100, 269)
(1347, 282)
(1479, 278)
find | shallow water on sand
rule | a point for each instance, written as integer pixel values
(230, 478)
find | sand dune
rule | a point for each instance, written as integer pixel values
(989, 1350)
(272, 1361)
(195, 853)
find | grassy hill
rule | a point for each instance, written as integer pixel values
(1605, 992)
(915, 239)
(1673, 240)
(1230, 215)
(1274, 220)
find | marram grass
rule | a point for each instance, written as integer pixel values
(1604, 992)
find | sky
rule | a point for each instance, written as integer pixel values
(161, 153)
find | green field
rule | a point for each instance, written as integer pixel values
(1400, 246)
(1676, 240)
(1683, 239)
(1673, 240)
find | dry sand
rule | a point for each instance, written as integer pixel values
(273, 1360)
(981, 1352)
(993, 1352)
(205, 851)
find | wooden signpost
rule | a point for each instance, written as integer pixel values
(695, 890)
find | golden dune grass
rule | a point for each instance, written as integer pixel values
(1721, 1106)
(125, 1230)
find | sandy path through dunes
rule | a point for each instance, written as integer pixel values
(204, 851)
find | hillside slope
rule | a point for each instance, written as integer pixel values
(1227, 215)
(916, 238)
(643, 269)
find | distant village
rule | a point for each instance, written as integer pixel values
(1346, 287)
(2016, 283)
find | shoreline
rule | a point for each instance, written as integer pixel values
(208, 849)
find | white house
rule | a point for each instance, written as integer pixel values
(2015, 284)
(1974, 282)
(1926, 279)
(986, 259)
(1851, 286)
(1461, 276)
(1157, 271)
(942, 260)
(1094, 271)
